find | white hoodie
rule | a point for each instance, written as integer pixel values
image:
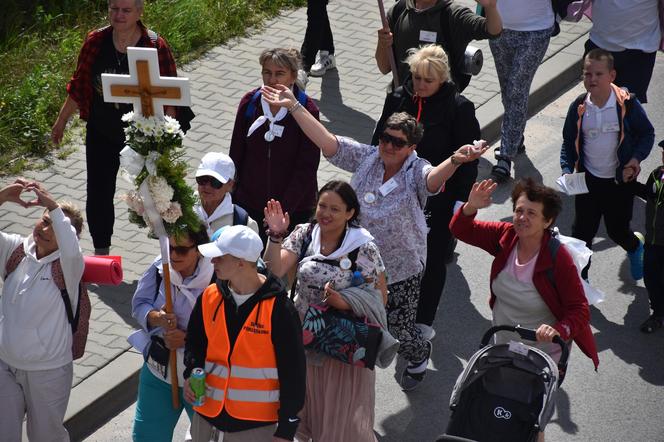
(34, 331)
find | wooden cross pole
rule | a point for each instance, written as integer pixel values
(149, 93)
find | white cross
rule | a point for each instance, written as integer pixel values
(143, 87)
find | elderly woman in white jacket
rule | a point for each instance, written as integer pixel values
(35, 334)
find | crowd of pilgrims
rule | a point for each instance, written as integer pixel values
(272, 246)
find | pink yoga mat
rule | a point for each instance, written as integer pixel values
(103, 270)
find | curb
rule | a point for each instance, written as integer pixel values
(113, 388)
(101, 396)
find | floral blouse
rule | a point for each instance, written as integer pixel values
(396, 218)
(312, 275)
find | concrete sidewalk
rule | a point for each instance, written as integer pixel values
(350, 99)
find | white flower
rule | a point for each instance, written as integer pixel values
(161, 193)
(129, 116)
(134, 201)
(173, 213)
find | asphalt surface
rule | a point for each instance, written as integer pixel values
(622, 401)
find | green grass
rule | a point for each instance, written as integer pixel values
(39, 44)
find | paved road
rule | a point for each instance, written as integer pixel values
(350, 99)
(621, 402)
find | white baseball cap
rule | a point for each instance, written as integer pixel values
(217, 165)
(238, 241)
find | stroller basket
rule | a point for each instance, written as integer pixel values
(503, 395)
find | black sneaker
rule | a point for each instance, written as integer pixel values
(409, 381)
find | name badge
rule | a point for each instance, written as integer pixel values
(611, 127)
(277, 130)
(388, 187)
(428, 36)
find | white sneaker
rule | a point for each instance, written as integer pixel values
(428, 332)
(324, 62)
(301, 80)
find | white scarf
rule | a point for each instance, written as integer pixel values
(355, 237)
(201, 279)
(224, 208)
(267, 115)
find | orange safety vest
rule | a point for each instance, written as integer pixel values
(247, 383)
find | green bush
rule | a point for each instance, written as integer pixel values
(39, 44)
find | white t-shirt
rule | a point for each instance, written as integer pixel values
(526, 15)
(240, 299)
(625, 24)
(600, 138)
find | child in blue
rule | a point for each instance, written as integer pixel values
(653, 260)
(606, 135)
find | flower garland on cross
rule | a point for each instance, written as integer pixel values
(152, 159)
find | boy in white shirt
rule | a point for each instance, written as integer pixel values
(606, 135)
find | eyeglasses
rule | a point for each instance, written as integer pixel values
(212, 181)
(180, 250)
(398, 143)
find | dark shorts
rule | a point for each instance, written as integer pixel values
(633, 69)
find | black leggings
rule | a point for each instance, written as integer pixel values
(439, 240)
(103, 161)
(318, 35)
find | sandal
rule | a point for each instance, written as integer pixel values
(521, 149)
(501, 171)
(651, 324)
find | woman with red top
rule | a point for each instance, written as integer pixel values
(528, 286)
(273, 157)
(105, 51)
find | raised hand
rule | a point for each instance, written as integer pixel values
(279, 95)
(44, 198)
(470, 152)
(275, 218)
(13, 192)
(480, 195)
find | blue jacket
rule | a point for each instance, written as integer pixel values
(636, 136)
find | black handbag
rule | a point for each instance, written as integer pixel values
(341, 335)
(158, 355)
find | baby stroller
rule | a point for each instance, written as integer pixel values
(506, 391)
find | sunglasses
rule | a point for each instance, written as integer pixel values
(180, 250)
(212, 181)
(398, 143)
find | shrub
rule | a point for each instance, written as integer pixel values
(39, 44)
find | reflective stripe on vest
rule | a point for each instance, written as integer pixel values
(254, 373)
(253, 395)
(250, 389)
(215, 369)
